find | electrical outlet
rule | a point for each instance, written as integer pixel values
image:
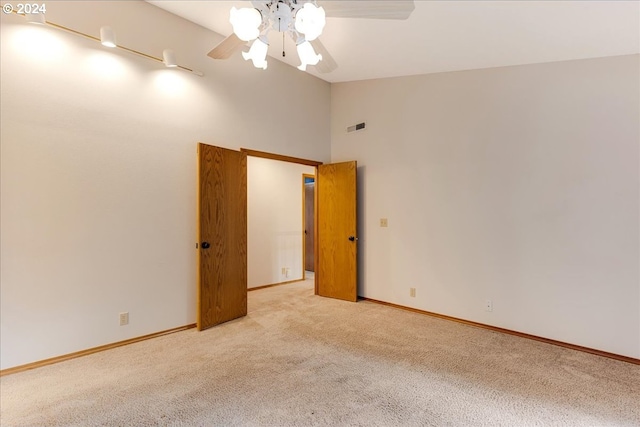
(283, 271)
(384, 222)
(286, 272)
(488, 305)
(124, 318)
(412, 292)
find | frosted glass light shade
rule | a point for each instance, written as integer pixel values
(107, 37)
(257, 53)
(307, 55)
(246, 22)
(310, 21)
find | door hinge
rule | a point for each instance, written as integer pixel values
(196, 245)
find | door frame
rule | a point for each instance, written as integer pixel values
(306, 162)
(304, 222)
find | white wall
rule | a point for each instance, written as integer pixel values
(516, 184)
(98, 172)
(274, 223)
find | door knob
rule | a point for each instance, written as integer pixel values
(205, 245)
(353, 238)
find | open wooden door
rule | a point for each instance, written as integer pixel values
(222, 232)
(336, 241)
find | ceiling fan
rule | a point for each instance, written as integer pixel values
(303, 21)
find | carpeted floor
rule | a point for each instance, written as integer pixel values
(298, 359)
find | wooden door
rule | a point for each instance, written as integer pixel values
(222, 233)
(309, 253)
(336, 244)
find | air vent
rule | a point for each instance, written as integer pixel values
(355, 128)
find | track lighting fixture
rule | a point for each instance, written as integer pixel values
(107, 38)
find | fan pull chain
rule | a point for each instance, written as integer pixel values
(283, 55)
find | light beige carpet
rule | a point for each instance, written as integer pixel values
(298, 359)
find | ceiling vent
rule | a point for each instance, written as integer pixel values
(356, 128)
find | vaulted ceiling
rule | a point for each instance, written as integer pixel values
(444, 36)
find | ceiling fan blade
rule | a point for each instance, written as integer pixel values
(328, 64)
(399, 9)
(227, 47)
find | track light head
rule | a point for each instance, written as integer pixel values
(169, 58)
(107, 37)
(35, 18)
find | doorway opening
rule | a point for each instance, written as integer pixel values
(276, 222)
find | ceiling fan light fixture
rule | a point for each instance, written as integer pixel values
(307, 55)
(258, 53)
(310, 21)
(304, 22)
(246, 23)
(280, 15)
